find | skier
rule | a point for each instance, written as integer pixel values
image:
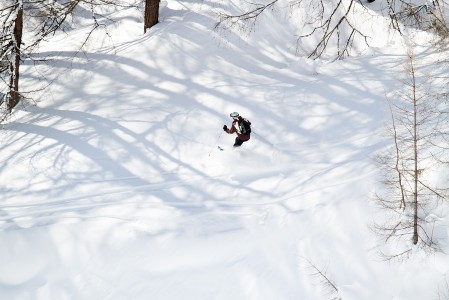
(241, 126)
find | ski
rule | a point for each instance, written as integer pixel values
(221, 149)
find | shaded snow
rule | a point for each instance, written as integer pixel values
(112, 186)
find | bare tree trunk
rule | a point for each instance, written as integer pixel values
(415, 153)
(14, 96)
(151, 14)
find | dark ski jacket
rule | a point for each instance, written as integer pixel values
(235, 127)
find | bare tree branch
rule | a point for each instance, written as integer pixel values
(325, 280)
(230, 21)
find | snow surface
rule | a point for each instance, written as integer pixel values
(112, 186)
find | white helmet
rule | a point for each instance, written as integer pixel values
(234, 115)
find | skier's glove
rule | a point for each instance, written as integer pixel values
(225, 128)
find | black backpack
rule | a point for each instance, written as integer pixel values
(245, 127)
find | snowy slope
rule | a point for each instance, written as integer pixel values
(112, 186)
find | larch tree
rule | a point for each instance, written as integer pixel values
(417, 129)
